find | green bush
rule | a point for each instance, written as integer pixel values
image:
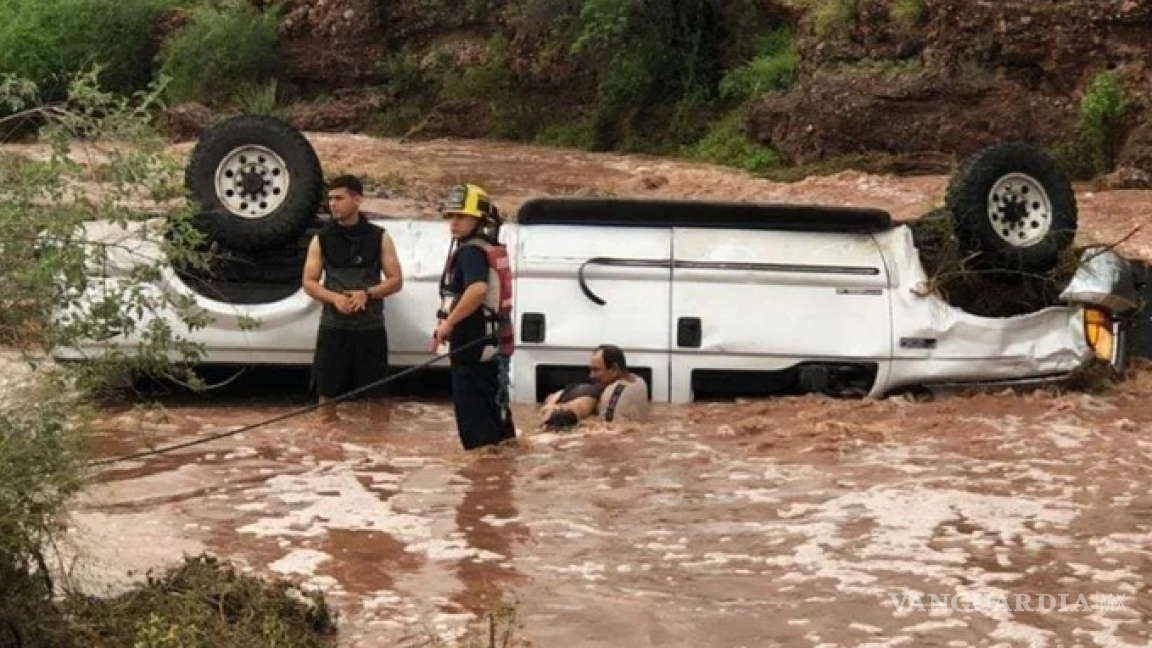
(395, 121)
(908, 13)
(46, 42)
(489, 81)
(727, 143)
(1101, 108)
(775, 68)
(1092, 151)
(833, 18)
(402, 77)
(220, 50)
(572, 134)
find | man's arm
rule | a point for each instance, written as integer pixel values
(313, 267)
(393, 274)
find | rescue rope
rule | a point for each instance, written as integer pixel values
(292, 414)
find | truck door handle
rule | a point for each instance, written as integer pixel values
(689, 332)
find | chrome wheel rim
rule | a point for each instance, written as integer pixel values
(252, 181)
(1019, 210)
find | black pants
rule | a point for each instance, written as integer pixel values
(480, 420)
(348, 359)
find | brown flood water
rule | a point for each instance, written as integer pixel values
(790, 522)
(793, 522)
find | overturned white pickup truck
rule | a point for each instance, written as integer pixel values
(706, 299)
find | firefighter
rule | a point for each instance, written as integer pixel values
(475, 318)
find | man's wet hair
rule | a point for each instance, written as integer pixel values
(349, 182)
(613, 357)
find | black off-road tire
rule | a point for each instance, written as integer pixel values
(1014, 210)
(257, 180)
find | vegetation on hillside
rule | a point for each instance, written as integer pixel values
(650, 76)
(637, 75)
(48, 42)
(220, 53)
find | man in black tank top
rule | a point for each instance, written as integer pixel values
(349, 254)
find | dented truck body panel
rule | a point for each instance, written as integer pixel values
(755, 302)
(935, 342)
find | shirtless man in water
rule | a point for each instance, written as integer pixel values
(613, 391)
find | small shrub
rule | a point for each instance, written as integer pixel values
(220, 50)
(1103, 105)
(833, 18)
(263, 99)
(1092, 152)
(727, 143)
(775, 68)
(402, 77)
(909, 13)
(489, 81)
(395, 121)
(571, 134)
(47, 261)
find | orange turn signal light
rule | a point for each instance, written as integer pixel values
(1098, 333)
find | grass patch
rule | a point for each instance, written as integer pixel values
(775, 68)
(832, 18)
(572, 134)
(395, 121)
(727, 143)
(260, 99)
(909, 14)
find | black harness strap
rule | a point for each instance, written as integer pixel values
(610, 413)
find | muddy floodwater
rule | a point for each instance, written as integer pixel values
(993, 520)
(790, 522)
